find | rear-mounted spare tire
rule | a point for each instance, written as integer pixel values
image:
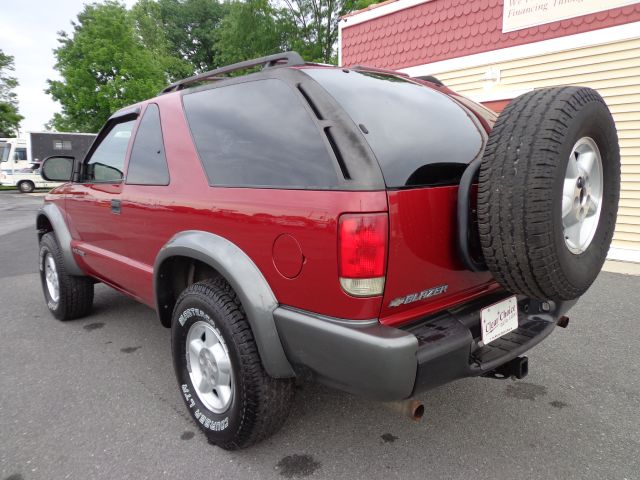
(548, 192)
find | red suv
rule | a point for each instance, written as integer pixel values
(375, 232)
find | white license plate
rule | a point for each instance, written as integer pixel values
(499, 319)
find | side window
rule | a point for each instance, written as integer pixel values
(107, 162)
(21, 154)
(258, 134)
(148, 164)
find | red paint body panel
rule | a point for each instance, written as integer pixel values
(120, 249)
(423, 254)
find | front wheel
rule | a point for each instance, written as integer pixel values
(221, 377)
(67, 296)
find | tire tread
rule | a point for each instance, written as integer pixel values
(266, 400)
(514, 192)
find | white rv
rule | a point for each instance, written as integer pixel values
(13, 154)
(20, 158)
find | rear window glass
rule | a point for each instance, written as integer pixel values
(418, 135)
(258, 134)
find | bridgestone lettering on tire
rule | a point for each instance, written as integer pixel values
(75, 294)
(257, 405)
(525, 244)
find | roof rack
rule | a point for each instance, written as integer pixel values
(285, 59)
(432, 79)
(365, 68)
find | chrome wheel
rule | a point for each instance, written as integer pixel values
(209, 366)
(51, 277)
(582, 195)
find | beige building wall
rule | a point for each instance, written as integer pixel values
(613, 69)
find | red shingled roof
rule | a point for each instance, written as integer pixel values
(443, 29)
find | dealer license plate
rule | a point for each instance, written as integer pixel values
(499, 319)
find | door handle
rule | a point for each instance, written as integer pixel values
(115, 207)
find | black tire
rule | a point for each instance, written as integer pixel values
(259, 404)
(26, 186)
(75, 293)
(520, 192)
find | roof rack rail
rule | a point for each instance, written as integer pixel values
(279, 59)
(365, 68)
(432, 79)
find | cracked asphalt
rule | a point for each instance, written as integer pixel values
(96, 398)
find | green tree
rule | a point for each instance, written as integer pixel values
(250, 29)
(315, 34)
(316, 27)
(190, 36)
(185, 28)
(9, 117)
(104, 67)
(150, 26)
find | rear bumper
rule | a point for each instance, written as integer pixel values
(386, 363)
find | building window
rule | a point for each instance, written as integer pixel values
(62, 144)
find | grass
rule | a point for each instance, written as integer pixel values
(5, 188)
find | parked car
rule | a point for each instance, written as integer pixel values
(372, 231)
(26, 179)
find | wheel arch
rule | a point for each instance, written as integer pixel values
(51, 219)
(204, 251)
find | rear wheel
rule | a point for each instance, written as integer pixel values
(548, 192)
(222, 381)
(26, 186)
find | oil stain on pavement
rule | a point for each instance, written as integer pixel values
(187, 435)
(525, 391)
(388, 438)
(558, 404)
(295, 466)
(93, 326)
(129, 349)
(15, 476)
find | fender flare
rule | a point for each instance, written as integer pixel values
(56, 218)
(245, 278)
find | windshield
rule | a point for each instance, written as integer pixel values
(5, 148)
(419, 136)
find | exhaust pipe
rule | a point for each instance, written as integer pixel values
(412, 408)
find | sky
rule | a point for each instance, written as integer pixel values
(28, 33)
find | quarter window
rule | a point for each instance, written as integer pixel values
(148, 164)
(258, 134)
(107, 162)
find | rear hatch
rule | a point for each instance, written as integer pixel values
(423, 140)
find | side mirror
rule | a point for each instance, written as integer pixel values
(57, 168)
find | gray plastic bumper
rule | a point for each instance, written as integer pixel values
(361, 357)
(385, 363)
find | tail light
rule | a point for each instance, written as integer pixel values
(362, 253)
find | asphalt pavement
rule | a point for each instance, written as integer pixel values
(96, 398)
